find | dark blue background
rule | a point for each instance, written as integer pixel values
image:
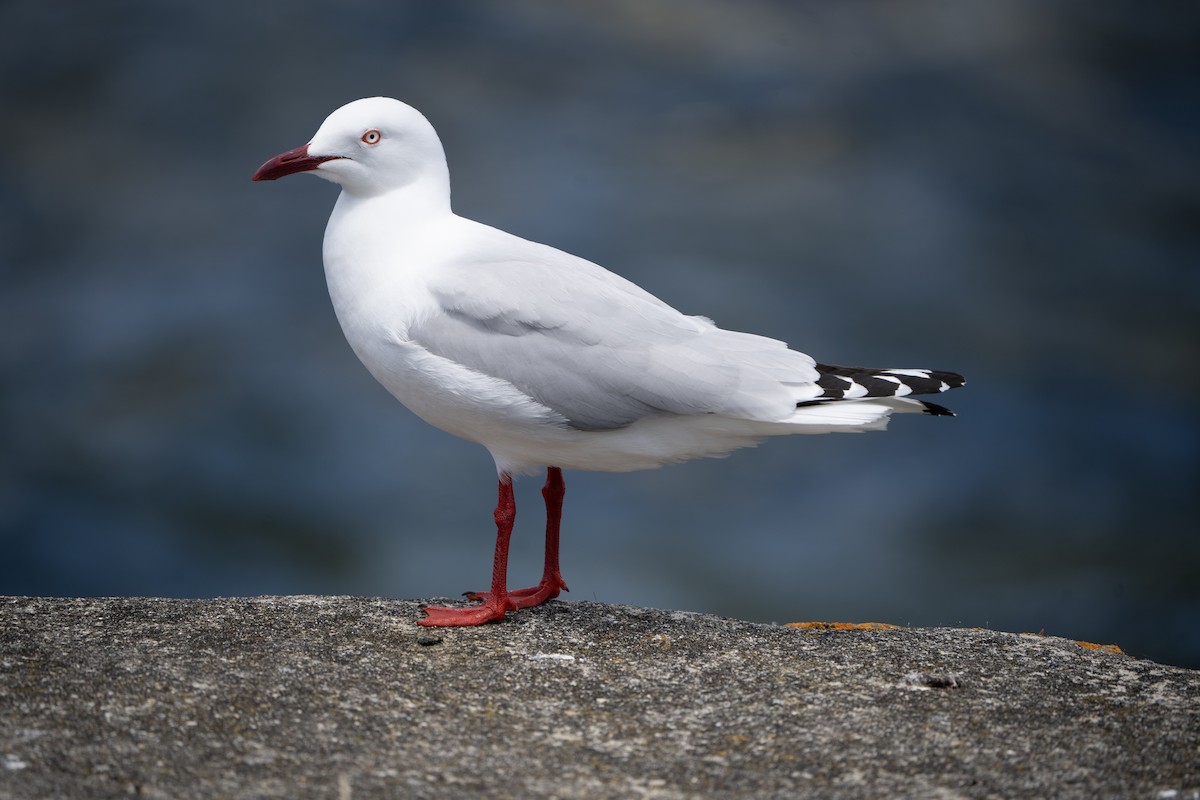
(1006, 189)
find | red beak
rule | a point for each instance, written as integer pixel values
(288, 163)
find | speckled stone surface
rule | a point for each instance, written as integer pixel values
(338, 697)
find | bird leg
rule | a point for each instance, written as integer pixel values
(552, 582)
(497, 601)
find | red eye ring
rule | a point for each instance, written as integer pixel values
(372, 137)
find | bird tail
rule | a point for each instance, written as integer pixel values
(856, 383)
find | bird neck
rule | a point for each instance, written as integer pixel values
(426, 196)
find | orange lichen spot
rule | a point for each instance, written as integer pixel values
(1101, 648)
(843, 626)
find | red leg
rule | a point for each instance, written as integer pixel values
(497, 601)
(552, 581)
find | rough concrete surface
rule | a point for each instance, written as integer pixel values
(339, 697)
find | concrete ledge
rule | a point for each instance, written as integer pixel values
(339, 697)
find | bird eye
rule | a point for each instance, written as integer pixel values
(372, 136)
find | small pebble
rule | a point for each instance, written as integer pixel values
(933, 680)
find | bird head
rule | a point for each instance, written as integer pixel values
(369, 147)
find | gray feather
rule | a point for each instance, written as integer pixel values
(601, 351)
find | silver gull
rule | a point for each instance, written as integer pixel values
(544, 358)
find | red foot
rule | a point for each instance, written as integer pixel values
(443, 617)
(528, 597)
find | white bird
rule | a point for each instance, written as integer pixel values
(544, 358)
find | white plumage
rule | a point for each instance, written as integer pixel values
(546, 359)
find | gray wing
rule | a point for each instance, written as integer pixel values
(601, 351)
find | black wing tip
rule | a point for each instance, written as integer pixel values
(835, 380)
(934, 410)
(952, 379)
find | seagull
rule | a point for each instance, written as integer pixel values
(544, 358)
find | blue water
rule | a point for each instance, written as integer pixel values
(1008, 191)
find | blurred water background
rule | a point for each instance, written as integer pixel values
(1005, 189)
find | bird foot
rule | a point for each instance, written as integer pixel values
(528, 597)
(443, 617)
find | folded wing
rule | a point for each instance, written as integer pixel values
(601, 351)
